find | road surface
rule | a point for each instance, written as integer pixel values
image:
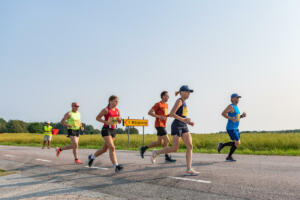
(40, 175)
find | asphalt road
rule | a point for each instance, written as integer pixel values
(40, 175)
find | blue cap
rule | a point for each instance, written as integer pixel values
(185, 88)
(235, 95)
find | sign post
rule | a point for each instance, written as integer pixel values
(128, 134)
(135, 122)
(143, 134)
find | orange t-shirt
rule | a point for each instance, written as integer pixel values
(160, 109)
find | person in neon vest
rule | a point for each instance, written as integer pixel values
(47, 135)
(72, 120)
(232, 113)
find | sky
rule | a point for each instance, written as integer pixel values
(55, 52)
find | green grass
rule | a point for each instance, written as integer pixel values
(254, 143)
(5, 173)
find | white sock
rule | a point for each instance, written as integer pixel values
(115, 165)
(93, 157)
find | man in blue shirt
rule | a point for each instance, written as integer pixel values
(232, 113)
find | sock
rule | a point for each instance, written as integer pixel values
(76, 158)
(228, 144)
(92, 156)
(115, 165)
(233, 148)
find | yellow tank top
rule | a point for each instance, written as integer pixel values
(74, 120)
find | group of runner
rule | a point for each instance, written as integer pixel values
(110, 117)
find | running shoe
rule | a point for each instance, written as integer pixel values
(78, 162)
(118, 168)
(142, 151)
(230, 159)
(91, 160)
(191, 172)
(153, 157)
(58, 151)
(168, 158)
(220, 147)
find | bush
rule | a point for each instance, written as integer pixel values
(36, 127)
(16, 126)
(3, 126)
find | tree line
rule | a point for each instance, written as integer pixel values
(19, 126)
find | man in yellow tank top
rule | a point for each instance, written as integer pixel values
(47, 135)
(73, 122)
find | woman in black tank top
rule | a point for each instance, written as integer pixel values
(180, 130)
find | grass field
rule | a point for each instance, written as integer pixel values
(5, 173)
(259, 144)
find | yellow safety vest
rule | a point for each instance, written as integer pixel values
(48, 130)
(74, 120)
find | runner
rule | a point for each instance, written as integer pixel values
(72, 121)
(47, 135)
(160, 112)
(180, 130)
(111, 118)
(232, 113)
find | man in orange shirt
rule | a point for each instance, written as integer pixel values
(160, 112)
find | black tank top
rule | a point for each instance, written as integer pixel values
(182, 112)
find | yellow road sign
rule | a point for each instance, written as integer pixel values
(135, 122)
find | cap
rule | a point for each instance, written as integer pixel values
(235, 95)
(185, 88)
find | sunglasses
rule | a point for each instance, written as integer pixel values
(76, 106)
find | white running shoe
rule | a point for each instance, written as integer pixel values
(191, 172)
(153, 157)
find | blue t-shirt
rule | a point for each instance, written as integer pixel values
(234, 125)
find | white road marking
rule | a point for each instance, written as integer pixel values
(97, 168)
(7, 155)
(43, 160)
(189, 179)
(67, 174)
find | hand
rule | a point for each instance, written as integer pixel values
(161, 117)
(187, 120)
(243, 115)
(233, 119)
(82, 128)
(108, 123)
(191, 123)
(119, 120)
(69, 126)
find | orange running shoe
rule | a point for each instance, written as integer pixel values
(58, 151)
(78, 162)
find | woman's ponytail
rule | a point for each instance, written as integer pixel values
(176, 93)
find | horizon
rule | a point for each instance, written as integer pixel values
(140, 129)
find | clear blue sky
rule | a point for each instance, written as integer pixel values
(56, 52)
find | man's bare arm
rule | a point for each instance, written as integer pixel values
(152, 113)
(64, 120)
(227, 110)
